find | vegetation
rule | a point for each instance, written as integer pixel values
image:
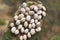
(2, 22)
(7, 35)
(56, 37)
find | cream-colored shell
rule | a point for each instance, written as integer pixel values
(28, 17)
(44, 13)
(23, 10)
(16, 32)
(23, 20)
(20, 26)
(38, 24)
(22, 30)
(15, 17)
(32, 21)
(24, 5)
(36, 21)
(35, 8)
(31, 12)
(39, 12)
(32, 31)
(26, 13)
(32, 7)
(39, 17)
(29, 35)
(27, 9)
(25, 24)
(17, 22)
(25, 37)
(33, 25)
(30, 26)
(26, 30)
(38, 29)
(35, 16)
(21, 37)
(13, 29)
(11, 24)
(21, 16)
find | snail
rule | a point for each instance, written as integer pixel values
(26, 30)
(38, 29)
(23, 10)
(29, 35)
(13, 29)
(32, 31)
(38, 24)
(25, 24)
(24, 5)
(21, 16)
(28, 17)
(32, 7)
(32, 21)
(21, 37)
(35, 8)
(39, 12)
(22, 30)
(25, 37)
(39, 17)
(16, 32)
(30, 26)
(33, 25)
(44, 13)
(36, 21)
(11, 24)
(17, 22)
(23, 20)
(27, 9)
(31, 12)
(20, 26)
(35, 16)
(15, 17)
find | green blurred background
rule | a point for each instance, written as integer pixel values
(51, 23)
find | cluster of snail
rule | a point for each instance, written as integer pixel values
(27, 22)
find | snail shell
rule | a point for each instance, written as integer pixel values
(35, 16)
(26, 30)
(31, 12)
(44, 13)
(35, 8)
(20, 26)
(27, 9)
(22, 30)
(11, 24)
(38, 29)
(32, 21)
(16, 32)
(24, 5)
(28, 18)
(32, 31)
(21, 16)
(17, 22)
(25, 37)
(39, 17)
(23, 10)
(21, 37)
(15, 17)
(29, 35)
(13, 29)
(33, 25)
(30, 26)
(25, 24)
